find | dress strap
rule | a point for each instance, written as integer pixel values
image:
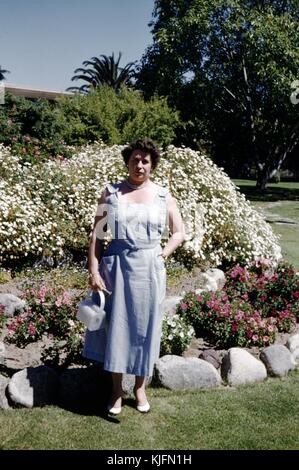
(112, 188)
(162, 192)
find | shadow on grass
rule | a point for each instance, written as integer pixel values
(86, 391)
(272, 193)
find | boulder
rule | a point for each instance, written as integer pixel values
(180, 373)
(211, 356)
(34, 386)
(239, 367)
(12, 304)
(293, 342)
(3, 399)
(277, 359)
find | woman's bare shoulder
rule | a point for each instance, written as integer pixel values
(158, 187)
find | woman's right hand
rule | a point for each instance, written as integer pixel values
(96, 282)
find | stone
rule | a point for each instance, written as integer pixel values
(34, 386)
(293, 342)
(239, 367)
(12, 304)
(211, 356)
(180, 373)
(128, 383)
(4, 405)
(2, 353)
(277, 359)
(295, 356)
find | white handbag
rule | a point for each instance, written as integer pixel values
(91, 310)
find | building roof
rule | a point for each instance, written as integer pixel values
(33, 93)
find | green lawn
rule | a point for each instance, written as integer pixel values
(261, 416)
(278, 210)
(274, 192)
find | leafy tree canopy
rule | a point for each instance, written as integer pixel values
(229, 66)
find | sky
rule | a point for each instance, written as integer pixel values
(42, 42)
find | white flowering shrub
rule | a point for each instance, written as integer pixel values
(176, 335)
(221, 224)
(48, 208)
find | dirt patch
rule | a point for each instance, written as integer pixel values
(186, 283)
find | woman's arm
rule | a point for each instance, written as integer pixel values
(176, 226)
(96, 245)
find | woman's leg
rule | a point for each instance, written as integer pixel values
(117, 391)
(139, 391)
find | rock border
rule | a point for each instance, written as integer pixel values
(82, 386)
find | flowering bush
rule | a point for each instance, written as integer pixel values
(49, 208)
(66, 352)
(34, 150)
(176, 335)
(253, 306)
(49, 311)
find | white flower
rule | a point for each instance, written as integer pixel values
(45, 210)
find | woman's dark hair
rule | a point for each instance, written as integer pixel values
(146, 145)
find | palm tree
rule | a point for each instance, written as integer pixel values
(104, 70)
(2, 73)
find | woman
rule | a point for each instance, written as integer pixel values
(133, 269)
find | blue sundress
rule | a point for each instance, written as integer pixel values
(136, 276)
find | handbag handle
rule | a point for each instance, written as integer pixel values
(102, 298)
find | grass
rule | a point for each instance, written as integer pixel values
(274, 192)
(274, 207)
(255, 417)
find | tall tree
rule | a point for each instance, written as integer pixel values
(3, 72)
(229, 64)
(100, 70)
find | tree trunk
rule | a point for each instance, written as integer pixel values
(262, 179)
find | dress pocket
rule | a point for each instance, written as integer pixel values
(106, 269)
(139, 306)
(160, 263)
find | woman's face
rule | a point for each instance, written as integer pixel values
(139, 165)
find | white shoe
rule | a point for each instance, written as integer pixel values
(114, 410)
(143, 408)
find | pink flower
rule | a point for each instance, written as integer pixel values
(234, 328)
(249, 333)
(66, 298)
(184, 306)
(31, 329)
(255, 338)
(239, 315)
(199, 298)
(11, 327)
(266, 339)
